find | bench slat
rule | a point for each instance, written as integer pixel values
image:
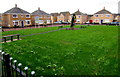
(11, 35)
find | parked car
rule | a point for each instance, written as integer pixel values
(65, 23)
(113, 23)
(58, 22)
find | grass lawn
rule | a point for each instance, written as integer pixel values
(89, 51)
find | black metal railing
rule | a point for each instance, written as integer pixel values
(11, 68)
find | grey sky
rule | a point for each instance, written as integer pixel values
(51, 6)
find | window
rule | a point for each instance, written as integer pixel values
(27, 22)
(77, 20)
(41, 21)
(48, 16)
(16, 22)
(108, 15)
(96, 15)
(27, 16)
(21, 15)
(15, 16)
(48, 21)
(96, 20)
(102, 15)
(107, 20)
(78, 16)
(40, 17)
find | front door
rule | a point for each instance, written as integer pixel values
(22, 23)
(101, 21)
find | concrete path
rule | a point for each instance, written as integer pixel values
(11, 29)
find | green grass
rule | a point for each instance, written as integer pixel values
(89, 51)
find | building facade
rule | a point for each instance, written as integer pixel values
(0, 19)
(81, 18)
(54, 17)
(40, 17)
(63, 16)
(16, 17)
(103, 16)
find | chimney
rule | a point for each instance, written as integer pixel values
(104, 8)
(15, 5)
(38, 8)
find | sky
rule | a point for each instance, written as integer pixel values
(52, 6)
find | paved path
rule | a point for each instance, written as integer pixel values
(11, 29)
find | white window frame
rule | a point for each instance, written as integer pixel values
(27, 21)
(96, 15)
(15, 21)
(41, 22)
(40, 17)
(106, 20)
(78, 20)
(48, 21)
(79, 16)
(22, 15)
(16, 16)
(96, 20)
(107, 15)
(26, 15)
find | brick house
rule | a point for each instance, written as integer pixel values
(0, 19)
(63, 16)
(116, 18)
(81, 18)
(103, 16)
(40, 17)
(16, 17)
(54, 17)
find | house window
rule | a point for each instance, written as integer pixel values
(40, 17)
(16, 22)
(78, 20)
(48, 21)
(48, 16)
(107, 20)
(27, 16)
(78, 16)
(96, 20)
(107, 15)
(27, 22)
(96, 15)
(15, 16)
(102, 15)
(21, 15)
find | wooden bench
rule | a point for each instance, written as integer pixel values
(11, 36)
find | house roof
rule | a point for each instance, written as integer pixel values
(103, 11)
(64, 13)
(16, 10)
(78, 12)
(54, 14)
(40, 12)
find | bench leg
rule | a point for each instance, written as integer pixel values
(5, 39)
(18, 37)
(11, 38)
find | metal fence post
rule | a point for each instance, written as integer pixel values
(12, 74)
(33, 73)
(3, 64)
(0, 63)
(7, 63)
(26, 68)
(15, 61)
(19, 65)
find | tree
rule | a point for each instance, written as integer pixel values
(73, 20)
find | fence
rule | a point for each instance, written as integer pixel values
(10, 67)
